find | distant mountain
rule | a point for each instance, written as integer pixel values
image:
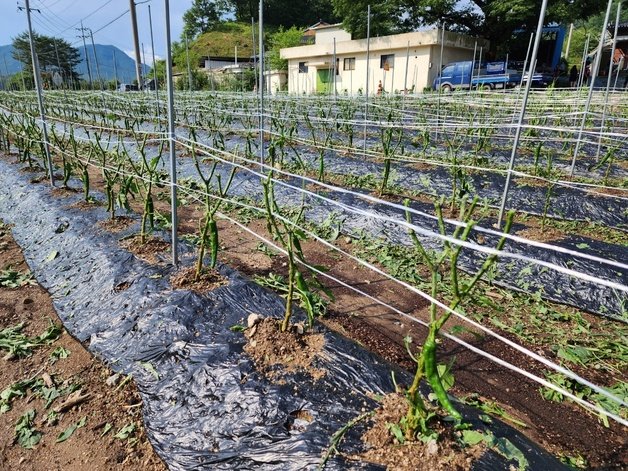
(124, 65)
(8, 65)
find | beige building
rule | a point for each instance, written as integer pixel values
(402, 61)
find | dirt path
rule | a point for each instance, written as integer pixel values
(106, 425)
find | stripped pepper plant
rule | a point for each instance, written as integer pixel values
(416, 421)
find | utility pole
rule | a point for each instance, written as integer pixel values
(40, 98)
(89, 70)
(136, 44)
(91, 35)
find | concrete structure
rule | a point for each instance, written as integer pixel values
(214, 63)
(275, 81)
(409, 61)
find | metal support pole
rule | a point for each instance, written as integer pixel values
(58, 61)
(136, 44)
(405, 74)
(155, 78)
(594, 72)
(582, 63)
(143, 65)
(523, 72)
(171, 138)
(505, 70)
(440, 88)
(254, 53)
(335, 72)
(260, 89)
(40, 98)
(368, 57)
(6, 69)
(115, 68)
(479, 67)
(620, 65)
(608, 83)
(525, 62)
(187, 59)
(475, 50)
(515, 145)
(568, 41)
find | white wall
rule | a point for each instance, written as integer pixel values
(327, 35)
(275, 81)
(422, 66)
(422, 62)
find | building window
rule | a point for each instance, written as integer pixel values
(386, 61)
(303, 67)
(349, 63)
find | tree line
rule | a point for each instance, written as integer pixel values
(495, 20)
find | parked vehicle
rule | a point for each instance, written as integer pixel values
(465, 75)
(127, 87)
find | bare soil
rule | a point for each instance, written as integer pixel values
(444, 454)
(541, 235)
(108, 403)
(208, 280)
(275, 352)
(149, 250)
(117, 224)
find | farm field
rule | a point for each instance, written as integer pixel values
(379, 220)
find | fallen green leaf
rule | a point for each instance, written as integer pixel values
(106, 430)
(25, 435)
(68, 432)
(472, 437)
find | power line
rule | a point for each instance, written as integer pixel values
(87, 16)
(112, 21)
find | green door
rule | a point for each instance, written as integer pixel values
(323, 79)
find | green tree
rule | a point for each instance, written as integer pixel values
(160, 71)
(55, 55)
(200, 81)
(280, 39)
(20, 80)
(202, 16)
(386, 17)
(493, 19)
(592, 27)
(285, 13)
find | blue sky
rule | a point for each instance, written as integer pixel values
(60, 18)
